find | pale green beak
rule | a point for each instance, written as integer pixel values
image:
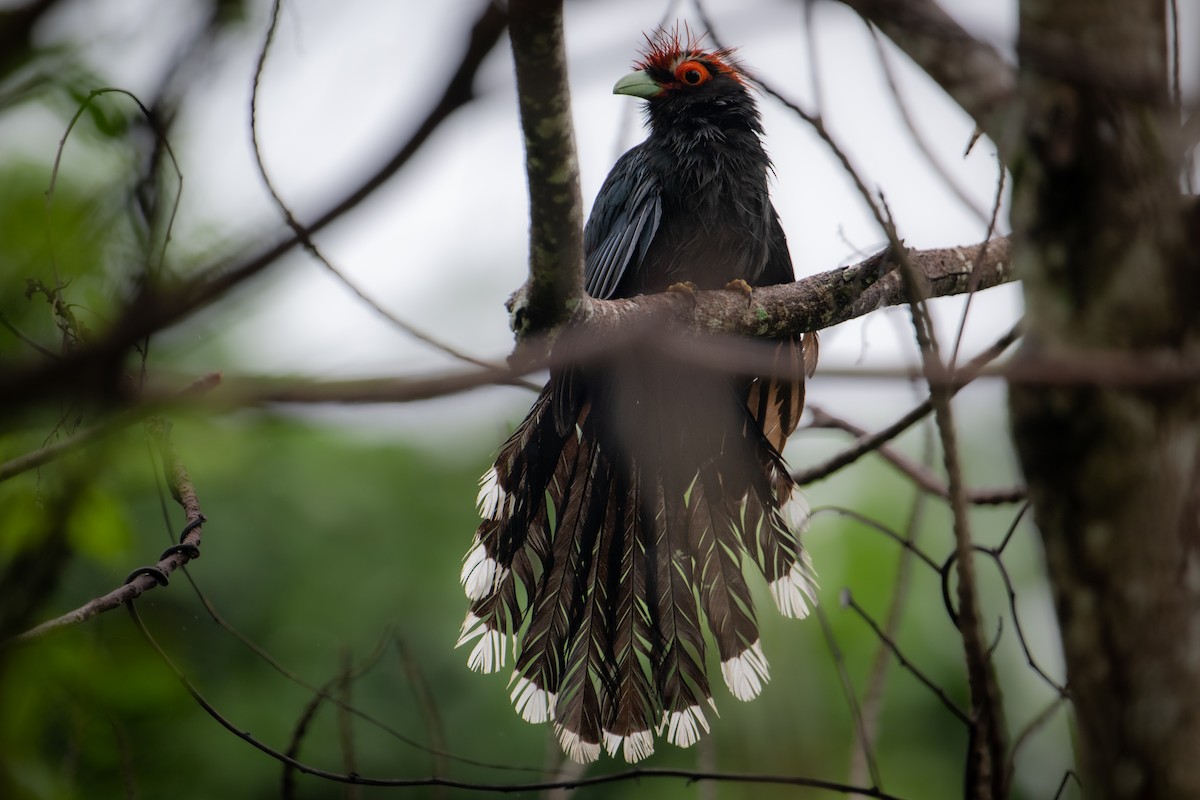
(638, 84)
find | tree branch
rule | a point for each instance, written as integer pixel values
(813, 303)
(922, 476)
(95, 367)
(50, 452)
(971, 72)
(555, 205)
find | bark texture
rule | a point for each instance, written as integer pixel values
(1100, 241)
(555, 207)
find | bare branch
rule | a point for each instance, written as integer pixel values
(95, 366)
(973, 73)
(924, 478)
(867, 444)
(302, 233)
(849, 602)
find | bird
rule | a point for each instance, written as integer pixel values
(617, 518)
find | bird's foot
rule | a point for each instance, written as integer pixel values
(685, 288)
(739, 285)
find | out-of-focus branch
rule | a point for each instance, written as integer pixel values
(302, 233)
(16, 31)
(50, 452)
(867, 444)
(972, 72)
(555, 205)
(924, 478)
(146, 578)
(95, 367)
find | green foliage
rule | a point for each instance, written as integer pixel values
(318, 547)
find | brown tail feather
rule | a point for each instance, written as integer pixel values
(604, 543)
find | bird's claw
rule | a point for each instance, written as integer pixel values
(685, 288)
(739, 285)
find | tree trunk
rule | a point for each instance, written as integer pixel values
(1101, 241)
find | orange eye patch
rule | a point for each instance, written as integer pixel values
(692, 73)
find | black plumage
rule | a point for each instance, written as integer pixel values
(618, 515)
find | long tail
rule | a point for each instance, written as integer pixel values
(616, 524)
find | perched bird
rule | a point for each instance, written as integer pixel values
(617, 517)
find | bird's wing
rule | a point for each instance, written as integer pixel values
(624, 220)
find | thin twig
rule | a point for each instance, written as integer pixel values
(4, 320)
(922, 476)
(873, 691)
(848, 601)
(1036, 724)
(879, 527)
(349, 672)
(498, 788)
(973, 285)
(1066, 778)
(856, 714)
(914, 131)
(322, 693)
(345, 723)
(867, 444)
(426, 704)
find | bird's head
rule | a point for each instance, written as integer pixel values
(682, 79)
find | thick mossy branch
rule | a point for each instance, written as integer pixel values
(811, 304)
(555, 205)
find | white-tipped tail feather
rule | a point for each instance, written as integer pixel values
(533, 704)
(492, 499)
(488, 653)
(480, 574)
(795, 511)
(576, 748)
(746, 674)
(635, 746)
(683, 727)
(795, 591)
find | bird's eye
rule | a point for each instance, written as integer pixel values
(693, 73)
